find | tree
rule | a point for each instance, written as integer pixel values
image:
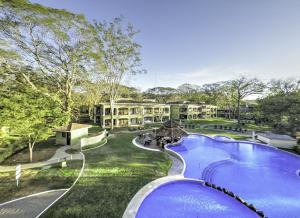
(119, 56)
(281, 106)
(30, 114)
(243, 87)
(161, 94)
(283, 86)
(213, 91)
(56, 42)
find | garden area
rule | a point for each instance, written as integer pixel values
(37, 180)
(113, 174)
(226, 127)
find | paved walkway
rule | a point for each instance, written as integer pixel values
(59, 156)
(29, 207)
(177, 166)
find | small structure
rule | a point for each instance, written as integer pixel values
(277, 140)
(170, 132)
(71, 134)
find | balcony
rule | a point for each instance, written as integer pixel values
(123, 111)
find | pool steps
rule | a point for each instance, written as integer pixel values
(231, 194)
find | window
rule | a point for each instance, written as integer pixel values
(134, 110)
(166, 110)
(165, 118)
(107, 111)
(182, 116)
(148, 110)
(123, 122)
(123, 111)
(107, 122)
(97, 119)
(63, 134)
(183, 110)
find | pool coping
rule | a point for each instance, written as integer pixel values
(135, 203)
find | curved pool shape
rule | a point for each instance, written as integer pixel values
(222, 138)
(191, 199)
(262, 175)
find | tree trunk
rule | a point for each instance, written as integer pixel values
(30, 153)
(238, 111)
(30, 148)
(31, 143)
(112, 107)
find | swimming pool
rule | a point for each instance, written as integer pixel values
(188, 198)
(260, 174)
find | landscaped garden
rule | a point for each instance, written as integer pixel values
(37, 180)
(113, 174)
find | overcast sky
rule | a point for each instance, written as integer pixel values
(204, 41)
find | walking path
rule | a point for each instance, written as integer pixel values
(29, 206)
(60, 155)
(36, 204)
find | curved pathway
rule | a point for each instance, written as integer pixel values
(30, 206)
(60, 155)
(35, 205)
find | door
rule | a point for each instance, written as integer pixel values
(68, 138)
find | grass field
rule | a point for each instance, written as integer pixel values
(36, 180)
(212, 132)
(112, 176)
(210, 123)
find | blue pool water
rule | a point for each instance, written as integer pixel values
(263, 176)
(191, 199)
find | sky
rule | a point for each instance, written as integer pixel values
(204, 41)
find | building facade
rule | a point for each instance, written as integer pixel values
(187, 111)
(135, 114)
(131, 114)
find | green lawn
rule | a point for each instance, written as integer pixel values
(94, 145)
(212, 132)
(95, 129)
(36, 180)
(212, 121)
(112, 176)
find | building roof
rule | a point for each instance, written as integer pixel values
(71, 127)
(170, 129)
(271, 135)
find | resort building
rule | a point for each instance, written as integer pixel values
(128, 113)
(188, 111)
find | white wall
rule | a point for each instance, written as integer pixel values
(277, 142)
(93, 140)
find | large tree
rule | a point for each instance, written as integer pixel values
(281, 105)
(161, 94)
(283, 86)
(118, 57)
(243, 87)
(55, 42)
(27, 112)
